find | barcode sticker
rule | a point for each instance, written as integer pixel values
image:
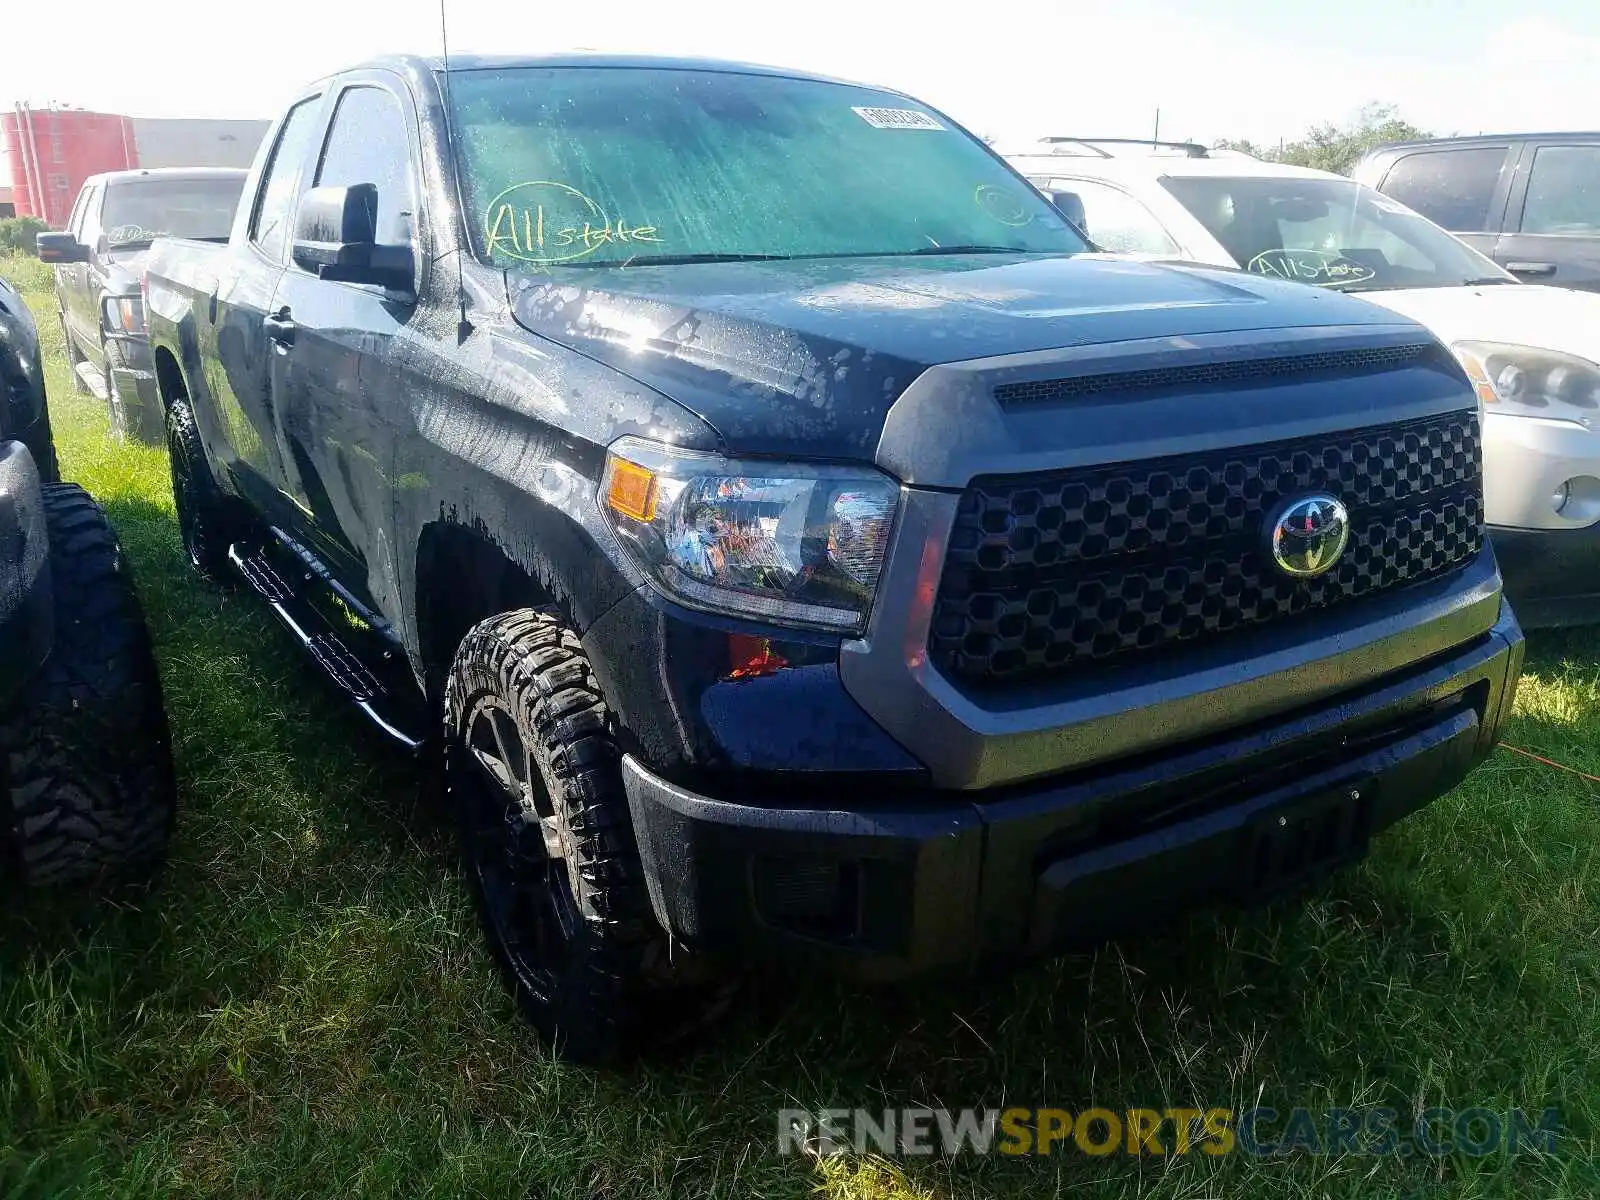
(896, 118)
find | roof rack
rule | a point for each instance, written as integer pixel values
(1097, 145)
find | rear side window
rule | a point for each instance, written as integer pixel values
(1113, 219)
(1563, 191)
(367, 143)
(269, 228)
(1452, 188)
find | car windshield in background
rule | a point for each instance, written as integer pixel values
(140, 210)
(585, 166)
(1332, 233)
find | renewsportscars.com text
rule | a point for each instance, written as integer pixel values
(1260, 1132)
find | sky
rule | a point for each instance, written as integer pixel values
(1012, 69)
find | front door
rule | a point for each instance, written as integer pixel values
(333, 404)
(73, 279)
(236, 316)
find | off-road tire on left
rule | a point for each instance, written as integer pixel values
(86, 781)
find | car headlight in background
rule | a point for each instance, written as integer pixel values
(1525, 381)
(790, 543)
(122, 316)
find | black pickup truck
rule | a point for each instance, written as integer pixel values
(800, 543)
(86, 785)
(98, 260)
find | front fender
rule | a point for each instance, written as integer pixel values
(495, 484)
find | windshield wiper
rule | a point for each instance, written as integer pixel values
(1365, 285)
(1486, 280)
(662, 260)
(976, 249)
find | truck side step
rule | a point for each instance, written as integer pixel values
(93, 380)
(361, 664)
(344, 668)
(260, 574)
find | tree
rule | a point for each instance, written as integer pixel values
(16, 233)
(1330, 147)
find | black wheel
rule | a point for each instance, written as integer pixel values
(205, 521)
(534, 775)
(88, 793)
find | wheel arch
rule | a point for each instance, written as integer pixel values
(465, 575)
(170, 383)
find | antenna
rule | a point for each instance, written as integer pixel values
(464, 326)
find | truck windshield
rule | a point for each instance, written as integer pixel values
(588, 166)
(137, 211)
(1333, 233)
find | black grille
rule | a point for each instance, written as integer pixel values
(1047, 573)
(1344, 362)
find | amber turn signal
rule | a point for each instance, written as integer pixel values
(631, 490)
(1480, 379)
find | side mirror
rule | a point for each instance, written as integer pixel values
(1071, 207)
(335, 236)
(59, 248)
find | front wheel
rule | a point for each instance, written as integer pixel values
(534, 774)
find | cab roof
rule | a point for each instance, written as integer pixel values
(1576, 135)
(1146, 167)
(406, 63)
(167, 173)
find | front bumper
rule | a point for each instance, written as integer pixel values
(896, 885)
(1552, 576)
(133, 389)
(1526, 460)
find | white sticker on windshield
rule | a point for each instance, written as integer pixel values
(895, 118)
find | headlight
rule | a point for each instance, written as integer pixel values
(1525, 381)
(122, 316)
(789, 543)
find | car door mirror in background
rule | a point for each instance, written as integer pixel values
(335, 237)
(1071, 207)
(60, 248)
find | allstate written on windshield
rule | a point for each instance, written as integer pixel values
(545, 222)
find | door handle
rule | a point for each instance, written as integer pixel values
(279, 327)
(1531, 268)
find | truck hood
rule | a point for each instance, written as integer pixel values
(805, 357)
(1550, 318)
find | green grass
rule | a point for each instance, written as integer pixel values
(303, 1006)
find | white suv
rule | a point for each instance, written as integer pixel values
(1533, 352)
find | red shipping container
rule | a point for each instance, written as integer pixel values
(52, 151)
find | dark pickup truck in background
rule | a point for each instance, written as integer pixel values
(1530, 201)
(98, 261)
(814, 549)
